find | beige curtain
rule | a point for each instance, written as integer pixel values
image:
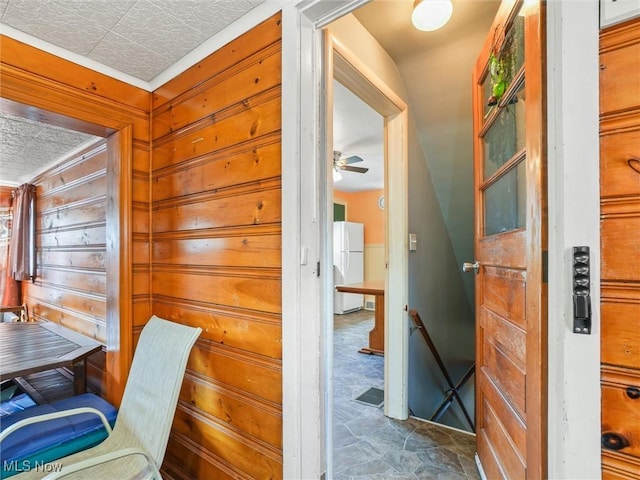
(21, 248)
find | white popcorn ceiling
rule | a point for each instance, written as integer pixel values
(141, 38)
(26, 146)
(137, 37)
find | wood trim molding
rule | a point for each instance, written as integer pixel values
(44, 81)
(118, 255)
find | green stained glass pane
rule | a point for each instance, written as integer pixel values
(506, 135)
(505, 202)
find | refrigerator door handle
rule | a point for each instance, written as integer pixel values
(348, 261)
(347, 238)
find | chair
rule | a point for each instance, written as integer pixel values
(136, 447)
(20, 312)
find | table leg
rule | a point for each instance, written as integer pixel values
(376, 335)
(80, 377)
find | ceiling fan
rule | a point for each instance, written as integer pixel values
(340, 163)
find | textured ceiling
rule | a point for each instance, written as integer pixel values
(27, 146)
(358, 130)
(137, 37)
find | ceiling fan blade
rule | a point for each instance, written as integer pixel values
(351, 159)
(354, 169)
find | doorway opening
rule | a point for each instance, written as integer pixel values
(81, 206)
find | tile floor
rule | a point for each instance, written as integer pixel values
(368, 445)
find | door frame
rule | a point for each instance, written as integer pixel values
(572, 126)
(75, 109)
(350, 71)
(573, 427)
(307, 317)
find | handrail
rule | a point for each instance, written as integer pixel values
(453, 389)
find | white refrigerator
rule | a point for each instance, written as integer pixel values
(348, 264)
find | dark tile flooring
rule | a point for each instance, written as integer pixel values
(368, 445)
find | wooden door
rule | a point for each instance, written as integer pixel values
(510, 240)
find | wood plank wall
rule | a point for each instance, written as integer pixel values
(70, 287)
(216, 254)
(5, 197)
(72, 94)
(620, 248)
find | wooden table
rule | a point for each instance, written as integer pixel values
(30, 347)
(376, 335)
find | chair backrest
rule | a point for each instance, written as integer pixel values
(151, 394)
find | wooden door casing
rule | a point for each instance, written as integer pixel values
(511, 296)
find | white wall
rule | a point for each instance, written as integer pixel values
(573, 159)
(439, 85)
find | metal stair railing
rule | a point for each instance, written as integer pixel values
(453, 392)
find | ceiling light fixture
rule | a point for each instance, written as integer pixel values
(337, 176)
(429, 15)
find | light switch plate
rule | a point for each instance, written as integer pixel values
(616, 11)
(413, 242)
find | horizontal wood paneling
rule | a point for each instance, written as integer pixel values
(246, 372)
(246, 206)
(241, 48)
(254, 293)
(243, 123)
(620, 164)
(89, 257)
(253, 459)
(239, 411)
(252, 162)
(620, 246)
(250, 77)
(88, 303)
(619, 66)
(70, 172)
(86, 325)
(186, 459)
(71, 285)
(75, 97)
(81, 236)
(79, 191)
(229, 250)
(621, 395)
(5, 197)
(88, 211)
(621, 334)
(216, 254)
(250, 330)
